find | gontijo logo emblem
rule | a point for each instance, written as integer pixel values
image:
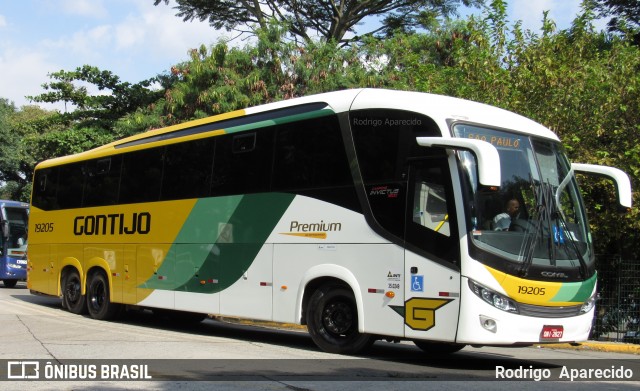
(420, 313)
(312, 230)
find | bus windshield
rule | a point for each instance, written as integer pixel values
(17, 220)
(535, 224)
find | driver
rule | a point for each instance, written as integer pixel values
(502, 221)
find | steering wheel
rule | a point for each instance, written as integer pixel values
(520, 225)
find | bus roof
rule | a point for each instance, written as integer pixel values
(442, 109)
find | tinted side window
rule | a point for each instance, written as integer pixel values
(310, 154)
(45, 183)
(70, 186)
(310, 160)
(243, 163)
(102, 181)
(141, 176)
(431, 225)
(187, 169)
(385, 140)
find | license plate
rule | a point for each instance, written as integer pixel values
(551, 333)
(21, 261)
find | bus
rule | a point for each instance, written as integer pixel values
(363, 214)
(14, 218)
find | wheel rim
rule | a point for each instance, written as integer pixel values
(72, 290)
(337, 318)
(98, 295)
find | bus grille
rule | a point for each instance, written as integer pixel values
(549, 312)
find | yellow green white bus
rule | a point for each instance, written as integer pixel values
(364, 214)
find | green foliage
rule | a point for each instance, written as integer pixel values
(18, 128)
(625, 16)
(114, 99)
(581, 83)
(331, 20)
(222, 78)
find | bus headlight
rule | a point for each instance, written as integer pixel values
(588, 305)
(495, 299)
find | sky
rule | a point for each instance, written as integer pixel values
(134, 39)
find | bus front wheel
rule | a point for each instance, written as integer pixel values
(72, 298)
(332, 321)
(10, 283)
(98, 301)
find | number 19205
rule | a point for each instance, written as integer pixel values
(530, 290)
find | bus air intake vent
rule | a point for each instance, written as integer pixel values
(549, 312)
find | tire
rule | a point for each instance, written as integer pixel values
(332, 321)
(439, 347)
(98, 302)
(9, 283)
(72, 298)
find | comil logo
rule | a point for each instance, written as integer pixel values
(23, 370)
(312, 230)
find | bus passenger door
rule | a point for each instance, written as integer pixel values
(432, 277)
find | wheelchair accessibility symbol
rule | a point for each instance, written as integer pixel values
(417, 283)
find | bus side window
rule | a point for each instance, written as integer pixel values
(70, 186)
(141, 176)
(430, 207)
(310, 155)
(242, 163)
(431, 225)
(187, 169)
(102, 181)
(44, 188)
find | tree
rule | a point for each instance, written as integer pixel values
(224, 78)
(625, 15)
(100, 110)
(581, 83)
(19, 130)
(331, 20)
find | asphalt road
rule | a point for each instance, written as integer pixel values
(37, 332)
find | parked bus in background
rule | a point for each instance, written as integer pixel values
(364, 214)
(14, 218)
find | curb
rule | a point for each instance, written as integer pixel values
(611, 347)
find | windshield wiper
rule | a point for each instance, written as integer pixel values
(561, 223)
(549, 215)
(542, 199)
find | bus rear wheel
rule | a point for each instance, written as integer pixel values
(332, 321)
(72, 298)
(98, 301)
(438, 347)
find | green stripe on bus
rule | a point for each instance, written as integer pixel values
(279, 121)
(219, 242)
(576, 291)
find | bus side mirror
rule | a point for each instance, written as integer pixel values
(620, 178)
(5, 229)
(486, 155)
